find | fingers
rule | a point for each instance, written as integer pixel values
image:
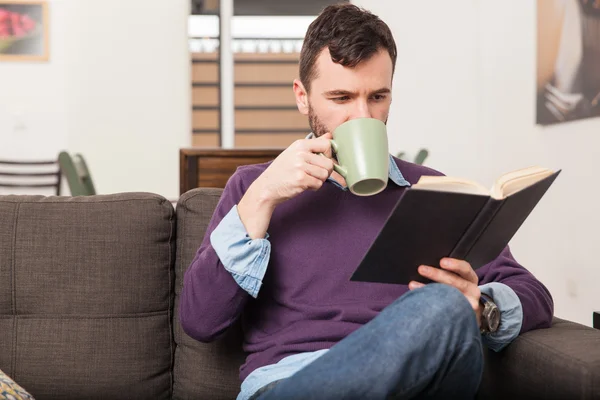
(305, 181)
(460, 268)
(469, 289)
(321, 144)
(415, 285)
(329, 151)
(317, 172)
(320, 161)
(312, 183)
(456, 273)
(308, 159)
(441, 276)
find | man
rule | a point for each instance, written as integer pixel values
(287, 235)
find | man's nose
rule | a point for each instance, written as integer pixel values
(361, 110)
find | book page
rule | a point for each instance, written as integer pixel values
(515, 181)
(450, 184)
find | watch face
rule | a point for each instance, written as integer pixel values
(493, 319)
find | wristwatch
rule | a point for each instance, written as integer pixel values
(490, 315)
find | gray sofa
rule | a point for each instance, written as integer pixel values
(89, 289)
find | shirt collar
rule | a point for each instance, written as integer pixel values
(394, 172)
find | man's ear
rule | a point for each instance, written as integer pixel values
(301, 97)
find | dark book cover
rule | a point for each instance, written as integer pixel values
(426, 226)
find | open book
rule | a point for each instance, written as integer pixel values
(504, 186)
(441, 216)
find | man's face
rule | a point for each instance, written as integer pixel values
(339, 94)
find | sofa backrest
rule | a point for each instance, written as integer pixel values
(201, 371)
(86, 295)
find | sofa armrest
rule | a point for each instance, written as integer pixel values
(562, 362)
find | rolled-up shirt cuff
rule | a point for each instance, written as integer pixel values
(244, 258)
(511, 315)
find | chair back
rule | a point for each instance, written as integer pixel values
(23, 176)
(77, 174)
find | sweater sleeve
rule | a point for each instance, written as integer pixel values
(536, 301)
(212, 297)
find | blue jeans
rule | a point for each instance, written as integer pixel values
(426, 344)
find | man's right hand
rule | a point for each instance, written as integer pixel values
(297, 169)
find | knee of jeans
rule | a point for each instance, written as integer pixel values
(449, 305)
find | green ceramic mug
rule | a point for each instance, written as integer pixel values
(361, 147)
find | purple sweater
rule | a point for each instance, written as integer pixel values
(307, 302)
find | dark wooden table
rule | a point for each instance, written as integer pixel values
(202, 167)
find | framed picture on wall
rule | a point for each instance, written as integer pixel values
(24, 30)
(568, 60)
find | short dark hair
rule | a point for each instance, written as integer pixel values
(352, 35)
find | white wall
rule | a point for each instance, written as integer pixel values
(117, 89)
(465, 89)
(33, 115)
(129, 92)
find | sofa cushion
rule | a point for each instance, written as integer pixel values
(201, 371)
(85, 303)
(562, 362)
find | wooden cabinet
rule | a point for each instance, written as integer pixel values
(213, 167)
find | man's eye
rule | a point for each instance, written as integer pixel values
(379, 97)
(341, 98)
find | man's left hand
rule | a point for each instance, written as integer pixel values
(457, 273)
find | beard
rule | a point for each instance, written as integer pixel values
(317, 127)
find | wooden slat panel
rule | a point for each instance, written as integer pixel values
(205, 119)
(252, 119)
(205, 96)
(263, 140)
(205, 140)
(211, 5)
(205, 56)
(246, 96)
(285, 73)
(270, 119)
(205, 73)
(248, 140)
(264, 96)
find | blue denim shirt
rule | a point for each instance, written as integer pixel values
(247, 261)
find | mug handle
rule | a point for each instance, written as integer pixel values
(338, 168)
